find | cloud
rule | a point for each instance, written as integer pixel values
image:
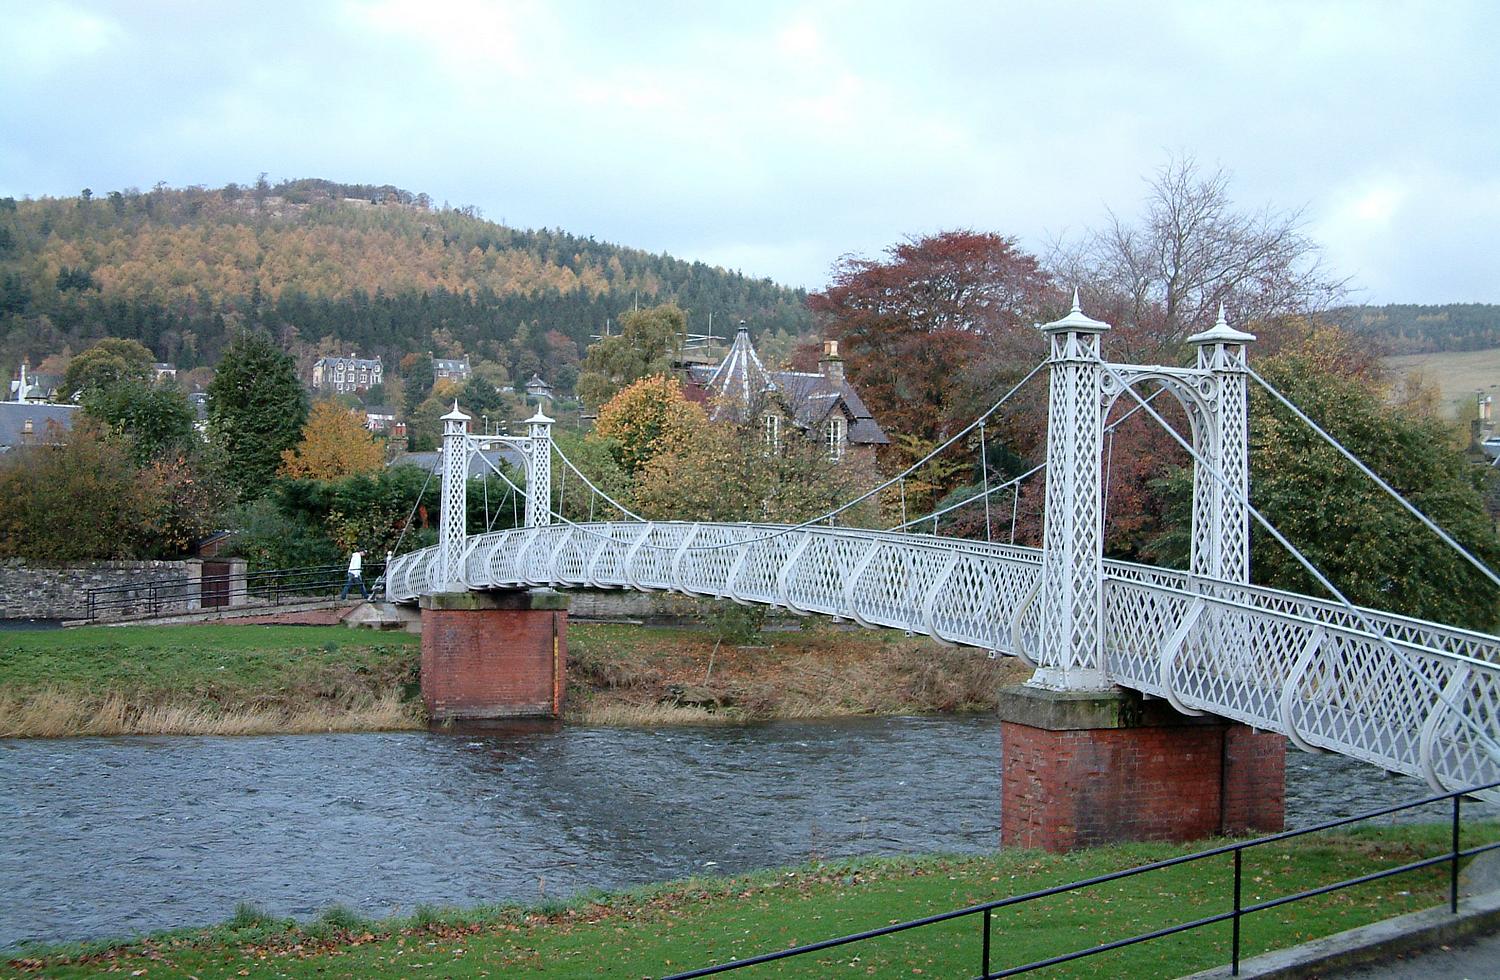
(44, 39)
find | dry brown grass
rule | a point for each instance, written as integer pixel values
(638, 679)
(52, 713)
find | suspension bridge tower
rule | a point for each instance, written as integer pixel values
(1085, 763)
(494, 653)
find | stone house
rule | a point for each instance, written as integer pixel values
(451, 369)
(820, 405)
(347, 374)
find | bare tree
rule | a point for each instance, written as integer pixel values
(1163, 277)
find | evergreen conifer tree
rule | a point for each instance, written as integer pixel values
(256, 410)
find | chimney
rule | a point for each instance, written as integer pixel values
(831, 366)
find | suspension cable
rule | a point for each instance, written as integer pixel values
(436, 464)
(791, 528)
(968, 500)
(590, 484)
(1485, 739)
(1410, 507)
(984, 468)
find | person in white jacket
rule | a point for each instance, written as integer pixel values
(355, 576)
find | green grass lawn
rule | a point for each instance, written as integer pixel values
(192, 657)
(676, 927)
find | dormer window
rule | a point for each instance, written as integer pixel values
(836, 432)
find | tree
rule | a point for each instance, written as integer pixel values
(646, 345)
(479, 398)
(79, 501)
(109, 361)
(1162, 278)
(722, 472)
(927, 331)
(335, 444)
(157, 421)
(256, 409)
(647, 418)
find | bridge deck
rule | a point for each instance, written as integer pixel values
(1407, 695)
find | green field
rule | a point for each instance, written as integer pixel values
(203, 679)
(680, 926)
(1456, 374)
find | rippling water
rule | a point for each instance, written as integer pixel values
(110, 836)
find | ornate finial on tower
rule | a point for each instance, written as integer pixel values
(456, 415)
(1221, 333)
(1075, 321)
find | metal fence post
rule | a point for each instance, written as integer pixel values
(985, 955)
(1234, 948)
(1453, 865)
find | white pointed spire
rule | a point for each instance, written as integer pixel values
(457, 414)
(1075, 321)
(739, 380)
(1221, 333)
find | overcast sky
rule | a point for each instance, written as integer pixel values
(774, 137)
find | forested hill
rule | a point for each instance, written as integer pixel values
(1411, 329)
(329, 267)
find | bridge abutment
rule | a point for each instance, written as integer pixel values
(1081, 769)
(489, 655)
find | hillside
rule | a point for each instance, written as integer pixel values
(329, 267)
(1404, 328)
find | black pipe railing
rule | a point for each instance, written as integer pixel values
(1234, 914)
(274, 587)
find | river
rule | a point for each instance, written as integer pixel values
(114, 836)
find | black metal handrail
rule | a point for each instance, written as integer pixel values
(153, 597)
(1234, 914)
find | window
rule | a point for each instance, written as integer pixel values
(773, 432)
(836, 430)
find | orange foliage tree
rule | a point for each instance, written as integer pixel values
(334, 444)
(647, 418)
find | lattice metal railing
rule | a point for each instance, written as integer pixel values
(1409, 701)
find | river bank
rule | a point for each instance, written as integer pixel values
(244, 680)
(685, 924)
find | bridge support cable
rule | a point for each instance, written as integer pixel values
(1013, 485)
(850, 504)
(1442, 697)
(1411, 508)
(590, 484)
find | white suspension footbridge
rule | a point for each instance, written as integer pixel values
(1408, 695)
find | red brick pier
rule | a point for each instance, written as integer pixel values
(489, 655)
(1088, 768)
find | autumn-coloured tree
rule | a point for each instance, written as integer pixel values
(927, 331)
(722, 472)
(649, 417)
(335, 444)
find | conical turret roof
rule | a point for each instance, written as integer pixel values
(740, 380)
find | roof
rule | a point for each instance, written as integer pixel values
(813, 397)
(429, 461)
(13, 416)
(740, 381)
(451, 363)
(355, 361)
(384, 410)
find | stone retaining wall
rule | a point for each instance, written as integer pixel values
(36, 591)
